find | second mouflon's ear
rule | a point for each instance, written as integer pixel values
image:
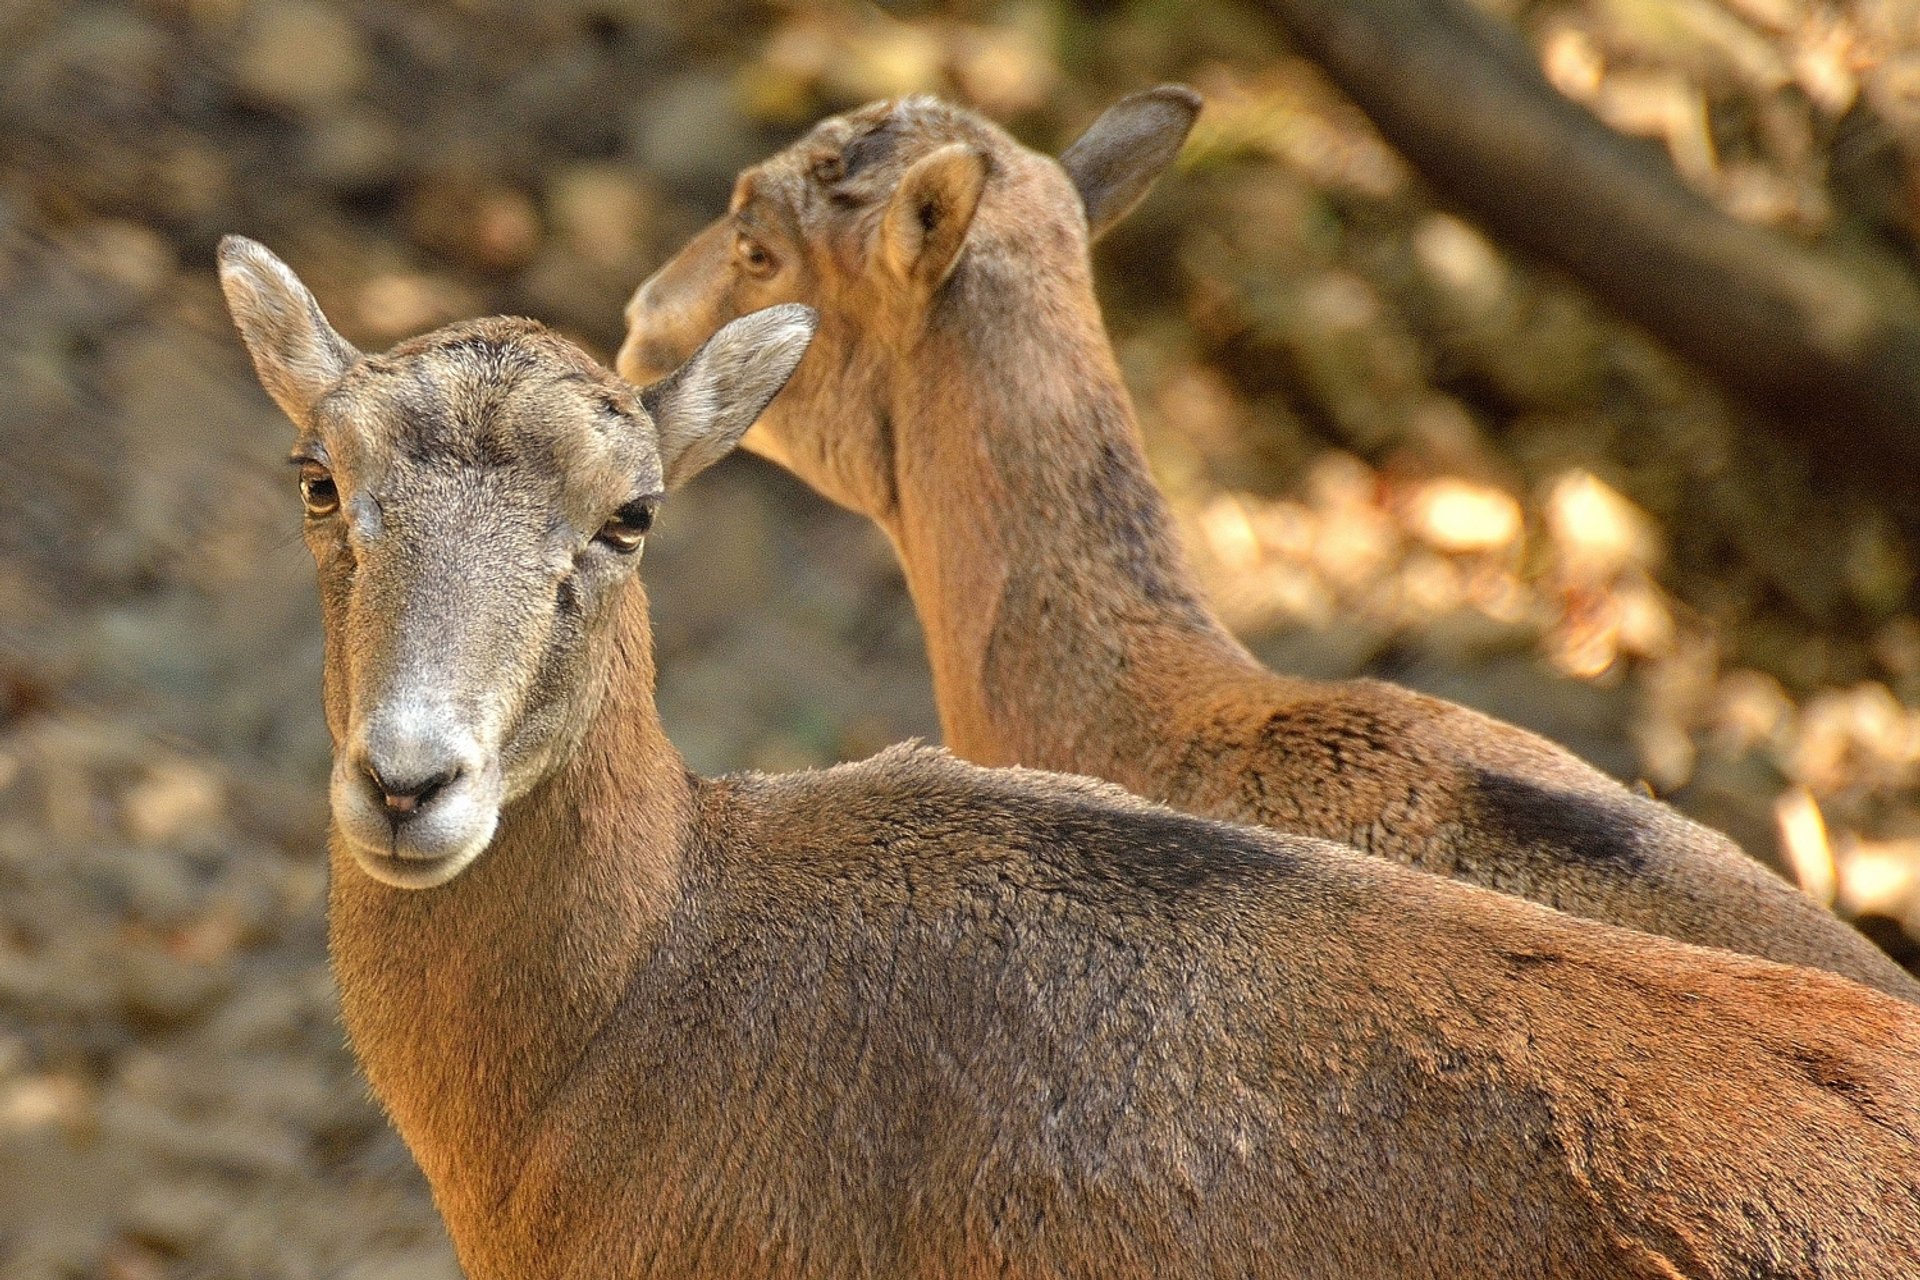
(296, 352)
(701, 409)
(1121, 153)
(927, 218)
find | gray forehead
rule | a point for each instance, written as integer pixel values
(536, 430)
(871, 145)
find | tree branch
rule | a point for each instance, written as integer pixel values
(1814, 339)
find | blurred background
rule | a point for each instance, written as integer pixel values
(1395, 447)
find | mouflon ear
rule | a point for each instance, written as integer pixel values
(1118, 157)
(701, 409)
(926, 221)
(296, 352)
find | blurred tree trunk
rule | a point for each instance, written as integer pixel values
(1827, 345)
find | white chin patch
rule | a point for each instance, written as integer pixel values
(412, 873)
(429, 849)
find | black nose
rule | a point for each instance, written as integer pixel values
(405, 797)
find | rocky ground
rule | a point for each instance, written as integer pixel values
(1394, 451)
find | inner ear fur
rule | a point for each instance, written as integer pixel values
(1117, 159)
(926, 221)
(701, 409)
(296, 352)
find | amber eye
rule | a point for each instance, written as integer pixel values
(317, 490)
(627, 530)
(754, 257)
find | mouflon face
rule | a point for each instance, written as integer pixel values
(476, 501)
(866, 219)
(861, 219)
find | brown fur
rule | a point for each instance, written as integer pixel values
(914, 1018)
(983, 423)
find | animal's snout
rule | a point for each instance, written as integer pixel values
(416, 796)
(405, 796)
(669, 315)
(643, 359)
(408, 773)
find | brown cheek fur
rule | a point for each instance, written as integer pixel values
(987, 429)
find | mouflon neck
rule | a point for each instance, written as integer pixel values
(469, 1004)
(1058, 606)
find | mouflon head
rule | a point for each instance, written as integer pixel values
(476, 501)
(868, 219)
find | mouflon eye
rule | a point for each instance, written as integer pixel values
(754, 256)
(317, 491)
(628, 527)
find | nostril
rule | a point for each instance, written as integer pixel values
(405, 797)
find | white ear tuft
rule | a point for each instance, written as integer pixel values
(295, 350)
(701, 409)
